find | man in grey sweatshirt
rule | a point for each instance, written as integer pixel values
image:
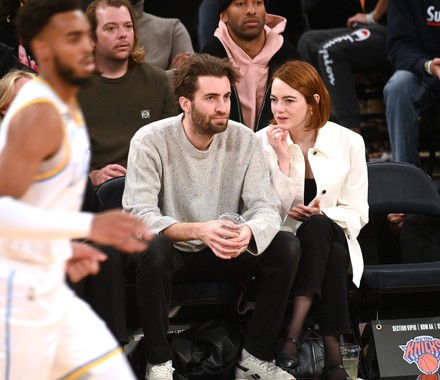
(183, 172)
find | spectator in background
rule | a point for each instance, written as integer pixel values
(166, 41)
(127, 93)
(252, 40)
(10, 84)
(337, 53)
(9, 61)
(9, 35)
(414, 51)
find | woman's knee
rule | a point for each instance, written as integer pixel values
(316, 223)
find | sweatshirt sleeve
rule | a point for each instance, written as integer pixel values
(260, 201)
(403, 43)
(143, 184)
(21, 221)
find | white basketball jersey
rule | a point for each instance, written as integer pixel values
(60, 181)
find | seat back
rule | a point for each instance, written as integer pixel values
(396, 187)
(400, 188)
(397, 289)
(110, 193)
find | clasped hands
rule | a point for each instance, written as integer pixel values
(226, 243)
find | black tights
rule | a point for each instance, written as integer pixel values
(301, 306)
(323, 242)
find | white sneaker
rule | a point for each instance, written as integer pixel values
(253, 368)
(163, 371)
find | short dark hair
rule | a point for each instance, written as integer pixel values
(36, 14)
(137, 55)
(201, 65)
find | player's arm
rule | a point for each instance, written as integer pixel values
(36, 134)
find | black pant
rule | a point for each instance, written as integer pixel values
(336, 54)
(323, 271)
(162, 265)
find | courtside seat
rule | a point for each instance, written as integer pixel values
(184, 294)
(390, 287)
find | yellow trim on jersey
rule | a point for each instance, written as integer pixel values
(81, 371)
(78, 115)
(31, 102)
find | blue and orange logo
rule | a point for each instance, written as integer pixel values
(425, 352)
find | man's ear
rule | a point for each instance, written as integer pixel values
(224, 17)
(185, 104)
(41, 49)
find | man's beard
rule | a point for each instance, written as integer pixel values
(68, 75)
(204, 126)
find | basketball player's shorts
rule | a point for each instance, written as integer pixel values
(46, 332)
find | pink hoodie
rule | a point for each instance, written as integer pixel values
(252, 86)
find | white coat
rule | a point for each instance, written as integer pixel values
(339, 167)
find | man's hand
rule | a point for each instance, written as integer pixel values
(121, 230)
(85, 261)
(107, 172)
(435, 67)
(395, 221)
(179, 59)
(358, 18)
(225, 243)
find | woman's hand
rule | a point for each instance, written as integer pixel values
(302, 212)
(278, 141)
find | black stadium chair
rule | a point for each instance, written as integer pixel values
(389, 284)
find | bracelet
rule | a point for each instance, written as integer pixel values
(370, 18)
(427, 66)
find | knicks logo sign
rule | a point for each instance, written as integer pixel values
(424, 351)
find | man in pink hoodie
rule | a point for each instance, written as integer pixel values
(252, 40)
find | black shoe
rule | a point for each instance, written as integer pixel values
(326, 372)
(285, 360)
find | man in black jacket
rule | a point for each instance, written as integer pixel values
(252, 40)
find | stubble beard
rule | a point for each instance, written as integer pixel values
(204, 126)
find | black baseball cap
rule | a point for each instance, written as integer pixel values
(223, 4)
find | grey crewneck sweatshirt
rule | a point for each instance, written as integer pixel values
(169, 180)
